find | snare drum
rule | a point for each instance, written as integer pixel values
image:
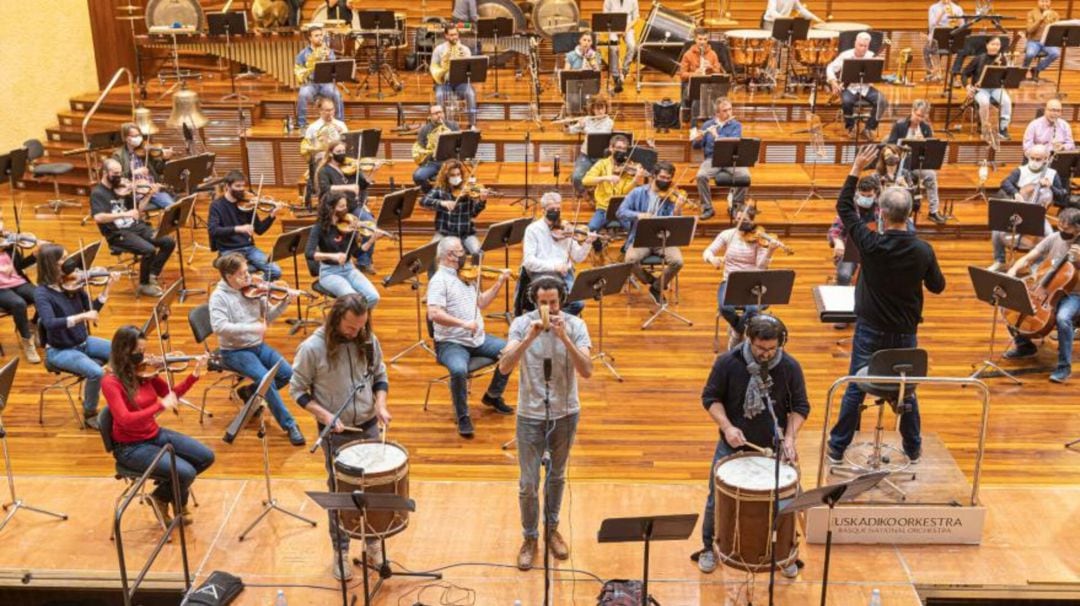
(374, 467)
(750, 47)
(743, 496)
(819, 48)
(843, 26)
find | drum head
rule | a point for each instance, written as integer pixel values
(753, 34)
(754, 472)
(488, 9)
(822, 34)
(553, 16)
(166, 13)
(843, 26)
(370, 458)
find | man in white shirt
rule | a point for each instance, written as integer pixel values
(633, 13)
(940, 14)
(782, 9)
(452, 48)
(318, 137)
(850, 95)
(547, 250)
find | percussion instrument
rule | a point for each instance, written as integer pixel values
(843, 26)
(489, 9)
(750, 48)
(272, 53)
(376, 467)
(819, 48)
(551, 17)
(744, 483)
(167, 13)
(666, 33)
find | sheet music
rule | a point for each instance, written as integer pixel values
(834, 299)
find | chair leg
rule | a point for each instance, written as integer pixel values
(716, 334)
(79, 416)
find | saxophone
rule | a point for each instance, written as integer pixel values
(440, 70)
(319, 54)
(422, 151)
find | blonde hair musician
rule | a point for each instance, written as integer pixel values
(598, 121)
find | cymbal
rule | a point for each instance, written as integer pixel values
(129, 8)
(130, 17)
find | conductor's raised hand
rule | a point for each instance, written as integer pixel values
(866, 156)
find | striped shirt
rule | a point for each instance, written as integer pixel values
(738, 254)
(459, 299)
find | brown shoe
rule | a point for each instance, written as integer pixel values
(188, 517)
(558, 546)
(527, 554)
(162, 507)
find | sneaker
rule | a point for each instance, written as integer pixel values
(1061, 375)
(1003, 134)
(91, 420)
(834, 457)
(618, 86)
(707, 214)
(244, 392)
(913, 458)
(840, 325)
(30, 351)
(296, 437)
(369, 270)
(1019, 353)
(734, 339)
(938, 218)
(527, 554)
(187, 516)
(996, 266)
(150, 290)
(465, 427)
(790, 571)
(498, 404)
(335, 566)
(558, 546)
(154, 280)
(655, 294)
(706, 561)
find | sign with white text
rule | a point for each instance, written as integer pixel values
(901, 524)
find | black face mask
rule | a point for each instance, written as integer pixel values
(662, 185)
(892, 161)
(339, 158)
(747, 226)
(553, 215)
(138, 357)
(236, 193)
(462, 261)
(114, 180)
(620, 157)
(1067, 237)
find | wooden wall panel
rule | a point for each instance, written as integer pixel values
(113, 45)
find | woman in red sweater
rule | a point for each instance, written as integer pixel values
(135, 404)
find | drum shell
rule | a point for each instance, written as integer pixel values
(818, 49)
(668, 33)
(749, 48)
(742, 524)
(394, 481)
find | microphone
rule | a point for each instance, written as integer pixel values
(547, 369)
(555, 167)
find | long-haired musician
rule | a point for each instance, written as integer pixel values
(457, 200)
(142, 165)
(319, 135)
(337, 173)
(333, 241)
(452, 48)
(316, 51)
(233, 230)
(598, 121)
(17, 294)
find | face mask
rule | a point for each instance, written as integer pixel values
(135, 141)
(138, 357)
(455, 181)
(462, 260)
(236, 193)
(620, 157)
(553, 215)
(114, 180)
(1036, 166)
(662, 185)
(747, 226)
(1067, 237)
(892, 160)
(864, 201)
(339, 158)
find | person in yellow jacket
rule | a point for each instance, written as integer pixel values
(609, 178)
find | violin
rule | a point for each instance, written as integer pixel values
(676, 196)
(276, 292)
(264, 204)
(759, 235)
(80, 279)
(580, 233)
(24, 240)
(471, 273)
(153, 365)
(351, 223)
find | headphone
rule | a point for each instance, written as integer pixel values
(548, 282)
(761, 321)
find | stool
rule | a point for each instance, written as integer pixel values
(652, 262)
(51, 172)
(125, 266)
(64, 381)
(478, 366)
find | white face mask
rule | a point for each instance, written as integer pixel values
(455, 181)
(1035, 166)
(135, 141)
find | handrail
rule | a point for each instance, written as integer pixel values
(94, 108)
(963, 382)
(176, 523)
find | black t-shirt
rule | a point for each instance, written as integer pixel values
(105, 200)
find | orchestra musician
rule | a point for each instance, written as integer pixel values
(241, 320)
(427, 138)
(698, 60)
(1050, 130)
(633, 13)
(610, 177)
(657, 199)
(1034, 183)
(134, 401)
(917, 127)
(972, 75)
(896, 265)
(17, 293)
(598, 121)
(319, 135)
(850, 96)
(63, 316)
(343, 360)
(1038, 19)
(457, 200)
(143, 165)
(781, 9)
(584, 56)
(233, 230)
(737, 395)
(452, 48)
(333, 241)
(551, 350)
(465, 11)
(889, 171)
(455, 305)
(113, 208)
(339, 9)
(550, 248)
(337, 173)
(943, 13)
(724, 125)
(1055, 247)
(316, 51)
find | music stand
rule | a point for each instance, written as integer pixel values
(659, 233)
(646, 529)
(396, 207)
(408, 269)
(861, 71)
(787, 31)
(291, 244)
(467, 70)
(183, 175)
(1001, 76)
(332, 72)
(362, 143)
(596, 144)
(460, 146)
(504, 235)
(759, 287)
(495, 27)
(925, 154)
(1062, 35)
(596, 283)
(256, 406)
(1017, 219)
(171, 220)
(75, 259)
(614, 25)
(705, 90)
(230, 24)
(647, 157)
(7, 378)
(380, 22)
(952, 40)
(1067, 165)
(577, 85)
(999, 290)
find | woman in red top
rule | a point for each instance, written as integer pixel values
(135, 404)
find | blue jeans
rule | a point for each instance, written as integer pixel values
(730, 313)
(530, 444)
(1033, 48)
(455, 357)
(845, 271)
(708, 523)
(581, 166)
(1067, 311)
(863, 344)
(425, 173)
(343, 280)
(258, 261)
(364, 258)
(162, 199)
(340, 540)
(254, 363)
(998, 96)
(192, 458)
(84, 360)
(307, 94)
(462, 91)
(576, 307)
(598, 220)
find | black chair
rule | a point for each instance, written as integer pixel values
(49, 171)
(127, 475)
(201, 329)
(478, 366)
(326, 296)
(125, 264)
(64, 381)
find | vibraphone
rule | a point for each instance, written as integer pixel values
(273, 53)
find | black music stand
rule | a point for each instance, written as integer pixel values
(659, 233)
(332, 72)
(396, 207)
(362, 143)
(256, 406)
(647, 157)
(704, 91)
(172, 219)
(787, 31)
(596, 283)
(759, 287)
(646, 529)
(468, 70)
(925, 154)
(577, 85)
(1016, 219)
(1067, 165)
(504, 235)
(382, 23)
(732, 153)
(496, 28)
(1063, 36)
(1002, 291)
(184, 175)
(291, 244)
(1000, 76)
(75, 259)
(460, 146)
(596, 144)
(614, 25)
(408, 269)
(230, 24)
(861, 71)
(7, 378)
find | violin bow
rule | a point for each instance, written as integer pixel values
(255, 211)
(86, 282)
(164, 362)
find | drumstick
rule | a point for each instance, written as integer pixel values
(765, 451)
(385, 430)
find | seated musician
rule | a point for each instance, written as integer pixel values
(736, 399)
(341, 356)
(142, 165)
(63, 316)
(973, 73)
(724, 125)
(112, 207)
(339, 9)
(135, 401)
(548, 249)
(233, 230)
(610, 177)
(319, 135)
(1050, 130)
(441, 56)
(1038, 19)
(317, 51)
(854, 92)
(337, 174)
(455, 307)
(17, 293)
(866, 195)
(1034, 183)
(584, 56)
(241, 323)
(738, 249)
(423, 150)
(333, 241)
(598, 121)
(698, 60)
(465, 11)
(1055, 247)
(781, 9)
(890, 173)
(942, 13)
(457, 200)
(633, 13)
(917, 127)
(653, 200)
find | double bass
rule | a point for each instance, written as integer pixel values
(1058, 281)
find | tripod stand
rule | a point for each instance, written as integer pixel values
(595, 284)
(526, 199)
(999, 290)
(504, 235)
(408, 270)
(660, 233)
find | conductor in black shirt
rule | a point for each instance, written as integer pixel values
(735, 398)
(896, 265)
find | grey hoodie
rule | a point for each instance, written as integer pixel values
(329, 382)
(236, 319)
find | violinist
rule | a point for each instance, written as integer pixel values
(724, 125)
(1033, 183)
(609, 177)
(657, 199)
(233, 230)
(134, 401)
(332, 243)
(64, 309)
(972, 76)
(241, 323)
(320, 135)
(455, 307)
(143, 165)
(121, 224)
(456, 199)
(598, 121)
(337, 173)
(890, 173)
(1055, 247)
(17, 292)
(549, 247)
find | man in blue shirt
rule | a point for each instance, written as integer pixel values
(309, 89)
(653, 200)
(722, 126)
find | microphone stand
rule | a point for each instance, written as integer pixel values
(337, 415)
(545, 462)
(777, 451)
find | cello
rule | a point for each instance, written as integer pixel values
(1059, 280)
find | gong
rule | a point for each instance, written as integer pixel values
(166, 13)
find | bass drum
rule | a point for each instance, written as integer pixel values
(166, 13)
(667, 33)
(488, 9)
(550, 17)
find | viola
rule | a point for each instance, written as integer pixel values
(275, 292)
(177, 361)
(80, 279)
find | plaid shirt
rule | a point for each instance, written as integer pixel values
(457, 222)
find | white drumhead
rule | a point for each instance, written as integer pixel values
(753, 34)
(373, 457)
(822, 34)
(843, 26)
(754, 473)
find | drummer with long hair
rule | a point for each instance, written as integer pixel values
(341, 363)
(737, 399)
